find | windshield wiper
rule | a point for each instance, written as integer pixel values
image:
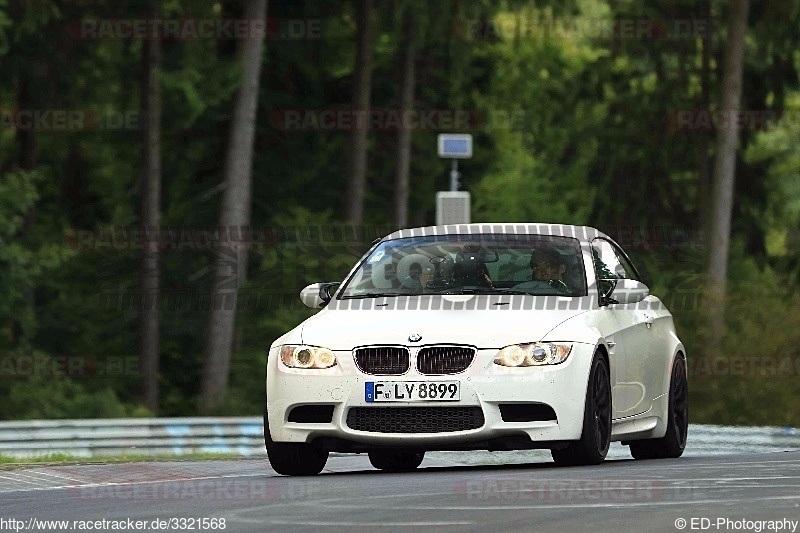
(484, 291)
(374, 295)
(448, 291)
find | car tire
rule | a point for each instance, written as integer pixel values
(293, 459)
(673, 443)
(595, 439)
(396, 460)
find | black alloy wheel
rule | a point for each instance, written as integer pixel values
(673, 443)
(293, 458)
(592, 447)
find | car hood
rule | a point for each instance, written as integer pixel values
(343, 329)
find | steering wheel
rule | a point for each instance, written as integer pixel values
(540, 286)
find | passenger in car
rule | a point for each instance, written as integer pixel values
(419, 276)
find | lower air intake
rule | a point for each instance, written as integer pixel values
(414, 419)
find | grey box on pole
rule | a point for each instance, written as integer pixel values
(452, 207)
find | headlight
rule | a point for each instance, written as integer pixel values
(512, 355)
(307, 356)
(534, 354)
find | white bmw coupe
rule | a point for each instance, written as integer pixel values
(479, 337)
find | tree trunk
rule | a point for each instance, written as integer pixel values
(362, 87)
(150, 214)
(28, 160)
(704, 159)
(230, 268)
(403, 158)
(724, 175)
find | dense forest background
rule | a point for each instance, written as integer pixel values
(577, 119)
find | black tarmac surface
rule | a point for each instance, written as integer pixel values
(450, 492)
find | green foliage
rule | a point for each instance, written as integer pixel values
(24, 263)
(49, 458)
(319, 250)
(66, 396)
(35, 15)
(776, 147)
(64, 458)
(569, 129)
(17, 195)
(5, 23)
(753, 382)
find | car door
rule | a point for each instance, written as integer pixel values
(655, 353)
(630, 337)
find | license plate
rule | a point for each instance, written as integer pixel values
(412, 391)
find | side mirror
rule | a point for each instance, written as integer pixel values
(318, 295)
(629, 291)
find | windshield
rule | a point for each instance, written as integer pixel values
(471, 264)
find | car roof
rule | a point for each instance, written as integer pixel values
(582, 233)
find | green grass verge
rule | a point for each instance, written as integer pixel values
(62, 459)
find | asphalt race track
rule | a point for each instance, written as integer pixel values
(445, 494)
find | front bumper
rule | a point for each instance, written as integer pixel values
(484, 385)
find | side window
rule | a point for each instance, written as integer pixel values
(630, 272)
(606, 266)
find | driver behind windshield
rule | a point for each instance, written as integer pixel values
(548, 267)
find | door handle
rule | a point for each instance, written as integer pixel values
(648, 320)
(611, 344)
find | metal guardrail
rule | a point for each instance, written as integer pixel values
(243, 436)
(133, 436)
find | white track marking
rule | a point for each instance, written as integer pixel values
(361, 524)
(574, 505)
(123, 483)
